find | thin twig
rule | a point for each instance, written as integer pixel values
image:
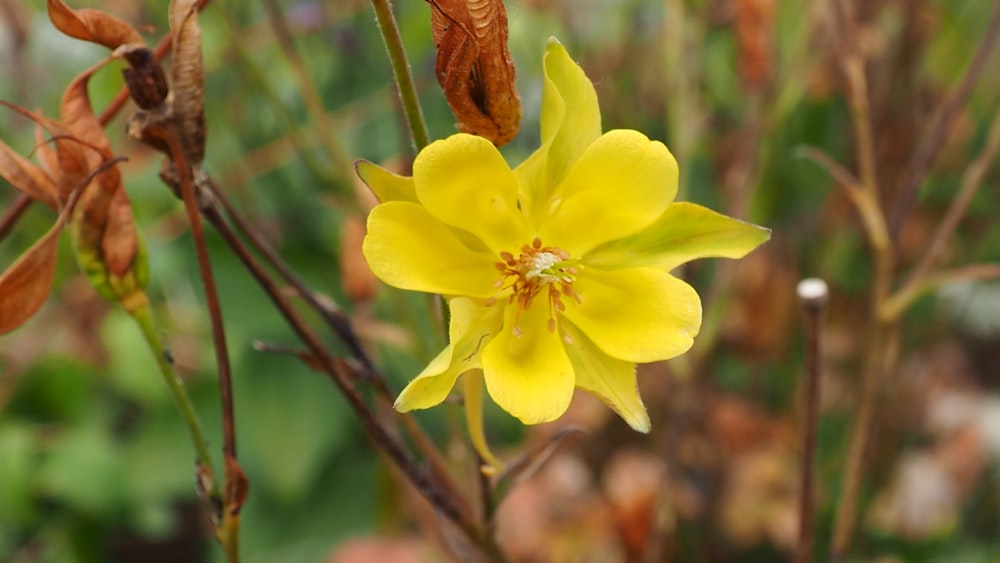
(971, 181)
(925, 155)
(341, 325)
(341, 373)
(902, 299)
(813, 296)
(882, 337)
(14, 214)
(310, 94)
(233, 480)
(330, 312)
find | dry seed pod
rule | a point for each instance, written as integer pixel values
(146, 83)
(474, 67)
(186, 77)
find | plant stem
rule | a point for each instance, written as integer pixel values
(324, 129)
(813, 295)
(401, 69)
(14, 213)
(143, 316)
(338, 321)
(971, 181)
(931, 144)
(342, 374)
(234, 486)
(881, 341)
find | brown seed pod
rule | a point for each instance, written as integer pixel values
(474, 67)
(186, 78)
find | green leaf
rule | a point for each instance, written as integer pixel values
(84, 469)
(290, 420)
(18, 459)
(683, 233)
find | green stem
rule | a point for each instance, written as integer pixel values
(401, 69)
(144, 318)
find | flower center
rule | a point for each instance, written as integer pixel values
(535, 270)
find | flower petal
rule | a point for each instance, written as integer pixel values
(408, 248)
(570, 122)
(683, 233)
(464, 181)
(528, 375)
(386, 185)
(623, 180)
(609, 379)
(471, 324)
(636, 314)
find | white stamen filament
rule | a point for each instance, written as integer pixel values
(544, 261)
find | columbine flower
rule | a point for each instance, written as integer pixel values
(556, 272)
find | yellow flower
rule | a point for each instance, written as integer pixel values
(556, 272)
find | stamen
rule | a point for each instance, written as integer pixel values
(537, 268)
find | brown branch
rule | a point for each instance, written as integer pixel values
(333, 316)
(14, 214)
(936, 132)
(972, 179)
(342, 374)
(814, 296)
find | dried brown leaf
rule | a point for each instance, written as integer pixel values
(120, 242)
(474, 66)
(71, 161)
(105, 214)
(92, 25)
(187, 78)
(46, 154)
(27, 283)
(27, 177)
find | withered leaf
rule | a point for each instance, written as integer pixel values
(26, 284)
(474, 67)
(27, 177)
(187, 78)
(104, 214)
(70, 161)
(92, 25)
(120, 243)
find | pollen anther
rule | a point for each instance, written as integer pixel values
(537, 268)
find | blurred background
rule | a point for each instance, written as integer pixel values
(95, 464)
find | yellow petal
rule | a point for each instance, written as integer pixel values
(570, 122)
(621, 184)
(528, 375)
(636, 314)
(464, 181)
(408, 248)
(472, 385)
(609, 379)
(387, 186)
(683, 233)
(471, 326)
